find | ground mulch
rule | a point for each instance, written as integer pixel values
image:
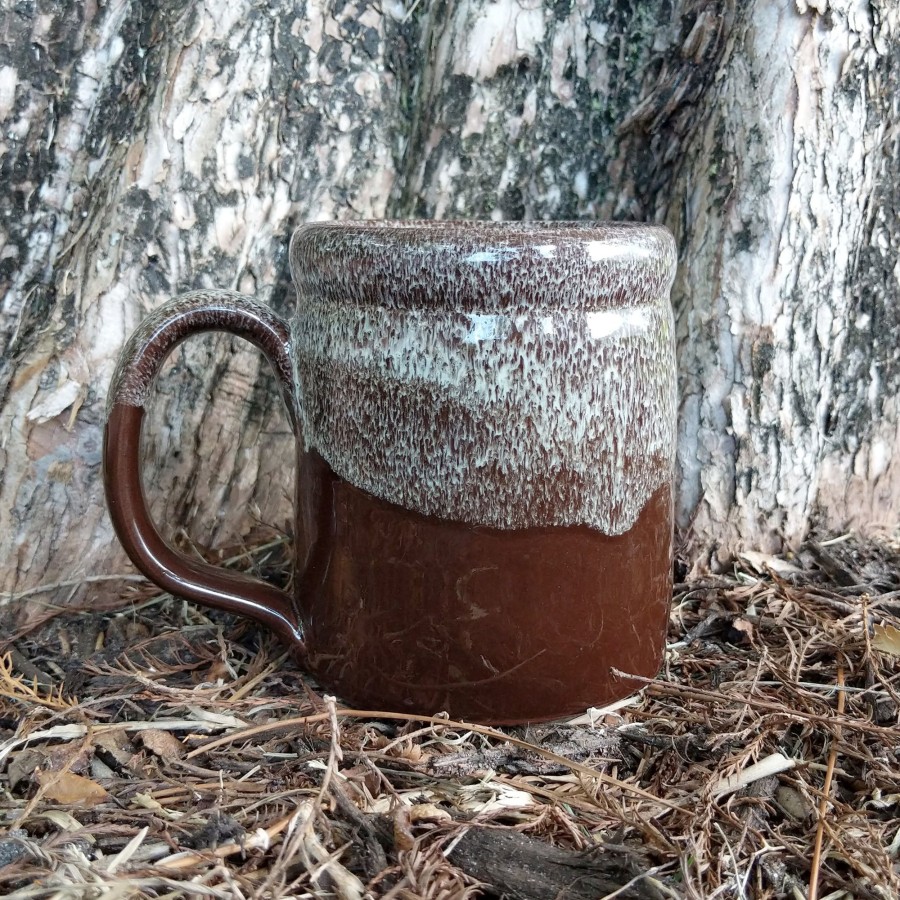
(160, 750)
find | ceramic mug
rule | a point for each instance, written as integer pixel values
(485, 436)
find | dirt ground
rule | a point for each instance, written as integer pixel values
(161, 751)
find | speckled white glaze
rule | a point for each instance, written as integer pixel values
(501, 375)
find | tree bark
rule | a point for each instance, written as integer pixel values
(787, 214)
(153, 148)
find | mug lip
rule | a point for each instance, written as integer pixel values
(516, 232)
(451, 262)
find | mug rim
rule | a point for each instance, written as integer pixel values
(449, 262)
(575, 227)
(623, 234)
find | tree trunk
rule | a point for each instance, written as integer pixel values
(153, 148)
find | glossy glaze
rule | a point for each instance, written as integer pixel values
(485, 418)
(514, 375)
(413, 613)
(138, 365)
(180, 575)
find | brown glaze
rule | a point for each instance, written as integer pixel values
(172, 571)
(138, 365)
(485, 441)
(408, 612)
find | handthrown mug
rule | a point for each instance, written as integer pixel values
(485, 430)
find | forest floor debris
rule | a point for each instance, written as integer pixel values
(161, 751)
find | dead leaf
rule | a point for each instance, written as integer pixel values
(163, 743)
(217, 670)
(25, 764)
(792, 803)
(762, 562)
(428, 812)
(887, 639)
(22, 766)
(403, 836)
(409, 751)
(65, 822)
(100, 770)
(64, 787)
(740, 632)
(145, 801)
(66, 758)
(55, 402)
(117, 746)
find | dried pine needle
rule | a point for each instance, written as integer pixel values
(721, 776)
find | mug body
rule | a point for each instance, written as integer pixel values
(484, 499)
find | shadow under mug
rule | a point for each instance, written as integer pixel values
(485, 430)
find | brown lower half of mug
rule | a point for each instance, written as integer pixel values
(405, 612)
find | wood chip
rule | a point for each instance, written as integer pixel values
(163, 743)
(770, 765)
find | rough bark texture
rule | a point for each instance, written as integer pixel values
(151, 148)
(520, 867)
(786, 210)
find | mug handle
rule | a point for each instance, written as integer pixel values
(139, 364)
